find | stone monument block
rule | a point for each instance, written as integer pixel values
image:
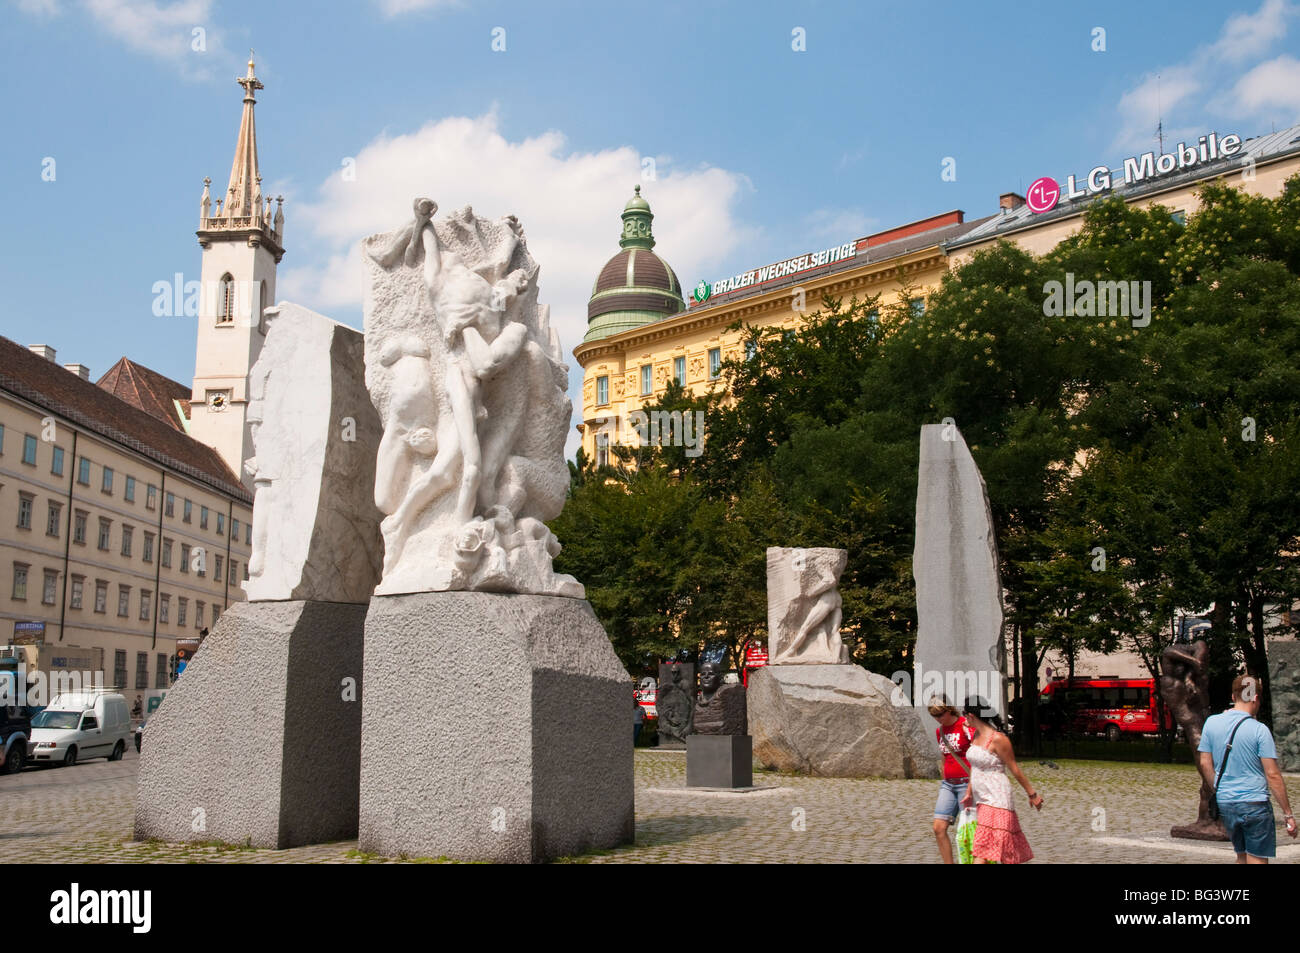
(958, 588)
(495, 728)
(837, 721)
(257, 743)
(1284, 689)
(804, 606)
(315, 436)
(719, 761)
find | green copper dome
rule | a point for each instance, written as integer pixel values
(636, 286)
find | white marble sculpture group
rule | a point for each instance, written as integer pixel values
(469, 381)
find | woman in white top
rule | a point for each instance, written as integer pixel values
(998, 836)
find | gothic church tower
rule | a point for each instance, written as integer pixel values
(242, 244)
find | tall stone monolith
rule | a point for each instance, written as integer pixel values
(959, 643)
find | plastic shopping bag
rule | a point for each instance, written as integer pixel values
(965, 835)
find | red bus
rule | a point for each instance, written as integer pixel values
(1112, 707)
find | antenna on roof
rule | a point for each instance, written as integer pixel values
(1160, 118)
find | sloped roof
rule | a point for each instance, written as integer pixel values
(147, 390)
(97, 409)
(1275, 145)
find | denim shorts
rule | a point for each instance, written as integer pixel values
(1250, 827)
(949, 803)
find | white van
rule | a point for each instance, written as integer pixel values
(80, 725)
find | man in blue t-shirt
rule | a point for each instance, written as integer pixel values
(1251, 772)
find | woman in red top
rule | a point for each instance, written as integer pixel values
(954, 736)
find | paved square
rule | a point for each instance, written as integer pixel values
(1096, 812)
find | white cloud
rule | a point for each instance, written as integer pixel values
(1275, 84)
(180, 32)
(1183, 93)
(166, 32)
(569, 204)
(1247, 35)
(1141, 108)
(396, 8)
(838, 224)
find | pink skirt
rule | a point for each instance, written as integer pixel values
(998, 836)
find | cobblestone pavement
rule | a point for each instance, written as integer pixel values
(1095, 812)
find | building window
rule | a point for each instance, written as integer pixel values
(679, 370)
(105, 529)
(25, 503)
(602, 390)
(1179, 217)
(20, 580)
(874, 315)
(106, 484)
(129, 493)
(54, 520)
(715, 361)
(123, 601)
(167, 553)
(226, 299)
(147, 550)
(146, 597)
(127, 533)
(216, 612)
(248, 536)
(79, 527)
(916, 306)
(51, 583)
(169, 505)
(647, 384)
(83, 471)
(187, 512)
(200, 562)
(185, 558)
(151, 497)
(56, 462)
(234, 571)
(602, 449)
(198, 614)
(78, 584)
(29, 450)
(182, 604)
(2, 438)
(119, 668)
(101, 595)
(160, 674)
(164, 607)
(141, 671)
(216, 573)
(203, 517)
(234, 529)
(751, 349)
(221, 524)
(245, 572)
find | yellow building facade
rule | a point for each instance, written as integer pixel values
(121, 533)
(629, 355)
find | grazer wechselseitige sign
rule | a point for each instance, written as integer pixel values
(1140, 168)
(827, 256)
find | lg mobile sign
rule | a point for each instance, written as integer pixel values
(1044, 194)
(790, 266)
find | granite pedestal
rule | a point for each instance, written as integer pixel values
(259, 741)
(719, 761)
(496, 727)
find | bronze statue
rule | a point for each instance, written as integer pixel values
(1185, 687)
(675, 704)
(721, 708)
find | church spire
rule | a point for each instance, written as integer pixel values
(243, 207)
(243, 171)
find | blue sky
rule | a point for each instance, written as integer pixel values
(759, 151)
